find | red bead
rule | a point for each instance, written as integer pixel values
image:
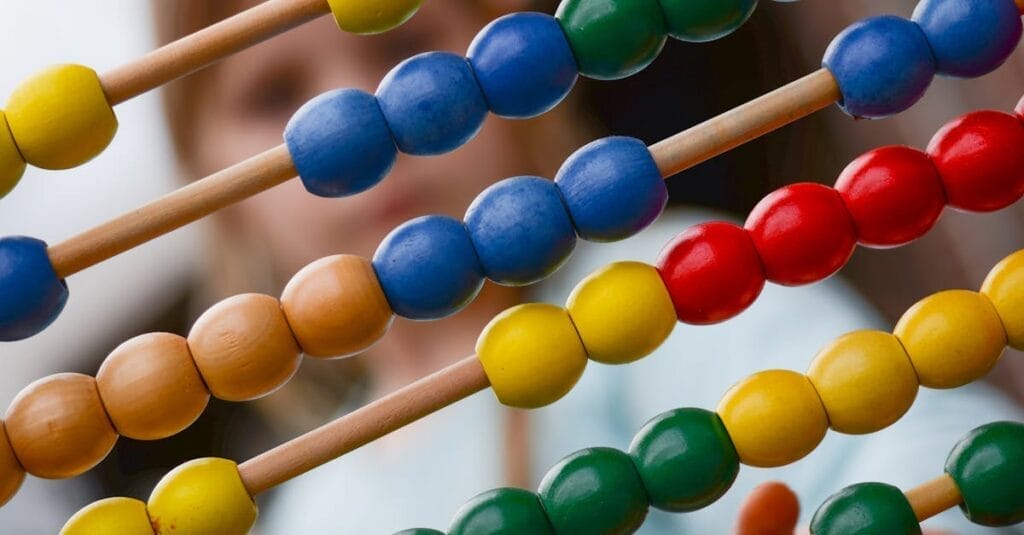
(802, 232)
(712, 272)
(894, 195)
(980, 158)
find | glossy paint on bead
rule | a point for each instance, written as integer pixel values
(359, 17)
(11, 473)
(596, 490)
(613, 189)
(428, 268)
(699, 21)
(419, 531)
(112, 516)
(613, 39)
(12, 164)
(505, 511)
(987, 465)
(866, 508)
(523, 63)
(969, 37)
(883, 65)
(1004, 286)
(521, 230)
(31, 295)
(202, 496)
(432, 103)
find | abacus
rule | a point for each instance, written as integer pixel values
(519, 231)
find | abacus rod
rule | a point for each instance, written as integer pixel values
(364, 425)
(934, 497)
(172, 211)
(195, 51)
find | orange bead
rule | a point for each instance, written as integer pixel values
(11, 472)
(58, 426)
(336, 306)
(244, 348)
(151, 388)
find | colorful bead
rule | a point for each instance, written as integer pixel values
(612, 187)
(531, 355)
(504, 511)
(1004, 286)
(112, 516)
(356, 16)
(969, 38)
(596, 490)
(866, 508)
(12, 165)
(60, 117)
(428, 268)
(58, 427)
(521, 230)
(803, 233)
(419, 531)
(340, 143)
(613, 39)
(622, 312)
(685, 459)
(771, 508)
(204, 496)
(244, 347)
(987, 465)
(865, 381)
(31, 294)
(894, 195)
(699, 21)
(883, 66)
(523, 63)
(980, 157)
(953, 338)
(712, 272)
(774, 418)
(336, 307)
(432, 103)
(151, 388)
(11, 472)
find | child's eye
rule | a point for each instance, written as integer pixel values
(276, 95)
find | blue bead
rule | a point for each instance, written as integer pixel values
(613, 189)
(969, 37)
(31, 294)
(521, 230)
(524, 64)
(340, 143)
(433, 103)
(883, 66)
(428, 268)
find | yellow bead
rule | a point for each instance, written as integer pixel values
(60, 117)
(952, 337)
(12, 165)
(774, 418)
(378, 16)
(1005, 287)
(622, 312)
(532, 355)
(202, 497)
(865, 380)
(112, 516)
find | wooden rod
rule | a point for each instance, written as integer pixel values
(364, 425)
(174, 210)
(934, 497)
(195, 51)
(749, 121)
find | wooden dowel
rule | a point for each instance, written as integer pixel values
(195, 51)
(934, 497)
(174, 210)
(749, 121)
(364, 425)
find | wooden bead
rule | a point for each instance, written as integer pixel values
(336, 307)
(112, 516)
(772, 508)
(613, 39)
(531, 355)
(60, 117)
(622, 312)
(699, 21)
(244, 348)
(953, 338)
(1004, 286)
(359, 17)
(987, 465)
(969, 38)
(774, 418)
(11, 472)
(596, 490)
(58, 426)
(866, 508)
(204, 496)
(151, 388)
(12, 165)
(498, 511)
(31, 293)
(865, 380)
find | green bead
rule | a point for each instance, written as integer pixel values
(419, 531)
(863, 509)
(698, 21)
(594, 491)
(988, 467)
(685, 459)
(502, 512)
(613, 39)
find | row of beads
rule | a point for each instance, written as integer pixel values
(986, 465)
